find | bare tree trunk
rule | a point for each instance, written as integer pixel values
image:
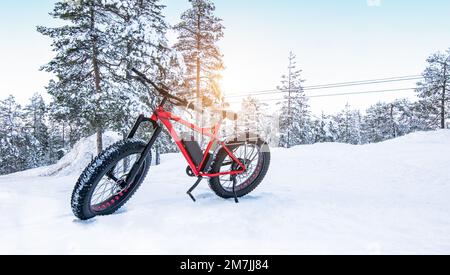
(443, 110)
(199, 117)
(444, 92)
(99, 141)
(391, 116)
(157, 156)
(70, 135)
(289, 104)
(96, 79)
(64, 135)
(98, 90)
(199, 94)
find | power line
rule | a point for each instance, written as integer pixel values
(397, 78)
(358, 84)
(362, 93)
(329, 86)
(338, 94)
(277, 91)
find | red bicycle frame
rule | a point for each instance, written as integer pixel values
(166, 119)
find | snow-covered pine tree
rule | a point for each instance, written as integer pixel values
(66, 127)
(82, 48)
(198, 34)
(381, 123)
(295, 119)
(375, 121)
(323, 129)
(404, 118)
(348, 124)
(138, 30)
(435, 88)
(95, 54)
(253, 118)
(35, 119)
(13, 141)
(423, 117)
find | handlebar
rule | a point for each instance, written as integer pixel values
(164, 91)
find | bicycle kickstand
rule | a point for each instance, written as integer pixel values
(234, 190)
(193, 188)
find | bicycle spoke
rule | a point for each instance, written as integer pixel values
(248, 154)
(109, 185)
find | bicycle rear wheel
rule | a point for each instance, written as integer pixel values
(255, 155)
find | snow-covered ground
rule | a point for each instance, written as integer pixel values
(387, 198)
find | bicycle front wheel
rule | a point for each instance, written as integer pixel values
(101, 189)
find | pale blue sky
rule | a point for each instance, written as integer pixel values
(335, 41)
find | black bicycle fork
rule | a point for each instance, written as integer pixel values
(148, 148)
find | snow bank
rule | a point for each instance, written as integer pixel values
(438, 137)
(74, 162)
(386, 198)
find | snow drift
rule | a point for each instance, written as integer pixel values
(75, 160)
(386, 198)
(80, 156)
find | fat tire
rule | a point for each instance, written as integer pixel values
(217, 188)
(96, 170)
